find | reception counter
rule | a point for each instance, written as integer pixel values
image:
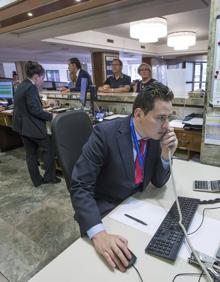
(8, 138)
(122, 102)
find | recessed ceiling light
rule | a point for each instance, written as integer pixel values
(4, 3)
(78, 0)
(30, 14)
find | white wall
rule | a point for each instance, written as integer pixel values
(62, 68)
(130, 65)
(176, 80)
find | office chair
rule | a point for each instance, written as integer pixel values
(70, 131)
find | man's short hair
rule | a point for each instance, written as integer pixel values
(76, 62)
(32, 68)
(119, 61)
(155, 91)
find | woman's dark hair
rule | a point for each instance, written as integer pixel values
(76, 62)
(119, 61)
(32, 68)
(146, 98)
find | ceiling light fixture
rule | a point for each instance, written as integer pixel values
(30, 14)
(78, 0)
(181, 40)
(149, 31)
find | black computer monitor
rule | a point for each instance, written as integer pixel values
(61, 84)
(6, 90)
(93, 93)
(83, 91)
(49, 85)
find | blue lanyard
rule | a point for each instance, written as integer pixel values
(137, 146)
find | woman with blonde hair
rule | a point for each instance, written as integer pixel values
(145, 71)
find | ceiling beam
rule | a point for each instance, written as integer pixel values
(57, 14)
(22, 7)
(109, 15)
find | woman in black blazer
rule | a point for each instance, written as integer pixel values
(29, 120)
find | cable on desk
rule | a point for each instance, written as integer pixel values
(141, 279)
(203, 217)
(200, 263)
(202, 273)
(4, 276)
(187, 274)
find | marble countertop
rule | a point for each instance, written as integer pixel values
(121, 97)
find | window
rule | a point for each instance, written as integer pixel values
(8, 69)
(195, 75)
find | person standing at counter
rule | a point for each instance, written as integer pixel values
(76, 74)
(15, 79)
(118, 82)
(145, 71)
(29, 120)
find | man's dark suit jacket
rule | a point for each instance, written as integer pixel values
(28, 115)
(82, 74)
(104, 175)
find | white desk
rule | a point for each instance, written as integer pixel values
(80, 263)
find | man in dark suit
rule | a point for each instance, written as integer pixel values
(76, 74)
(120, 158)
(29, 120)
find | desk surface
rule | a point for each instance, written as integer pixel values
(80, 263)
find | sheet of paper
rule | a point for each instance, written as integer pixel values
(205, 240)
(115, 116)
(7, 111)
(147, 212)
(194, 121)
(176, 123)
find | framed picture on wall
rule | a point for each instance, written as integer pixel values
(53, 75)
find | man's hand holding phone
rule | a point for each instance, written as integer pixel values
(168, 143)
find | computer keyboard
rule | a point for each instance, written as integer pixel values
(168, 238)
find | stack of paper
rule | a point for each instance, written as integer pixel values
(176, 123)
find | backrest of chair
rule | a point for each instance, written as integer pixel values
(70, 131)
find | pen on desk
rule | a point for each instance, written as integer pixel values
(136, 219)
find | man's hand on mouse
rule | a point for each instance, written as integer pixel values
(168, 142)
(113, 248)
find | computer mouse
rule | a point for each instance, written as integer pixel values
(132, 260)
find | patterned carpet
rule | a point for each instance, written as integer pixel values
(36, 224)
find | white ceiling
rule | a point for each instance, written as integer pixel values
(196, 20)
(27, 44)
(41, 51)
